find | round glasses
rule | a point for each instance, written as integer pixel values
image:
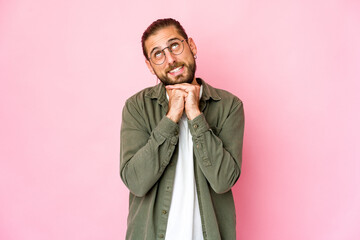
(175, 46)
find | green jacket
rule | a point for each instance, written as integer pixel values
(148, 157)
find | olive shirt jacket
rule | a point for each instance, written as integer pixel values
(148, 156)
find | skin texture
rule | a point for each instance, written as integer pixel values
(182, 87)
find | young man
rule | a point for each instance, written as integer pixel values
(181, 146)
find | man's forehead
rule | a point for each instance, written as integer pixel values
(161, 37)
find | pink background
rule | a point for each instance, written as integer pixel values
(67, 67)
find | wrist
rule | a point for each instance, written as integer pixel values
(193, 114)
(173, 118)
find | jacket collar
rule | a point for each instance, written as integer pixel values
(158, 92)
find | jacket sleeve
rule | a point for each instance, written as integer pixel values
(144, 155)
(220, 157)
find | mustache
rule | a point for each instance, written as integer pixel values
(174, 65)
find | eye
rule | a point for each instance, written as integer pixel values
(174, 46)
(157, 54)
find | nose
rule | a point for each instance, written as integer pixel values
(169, 56)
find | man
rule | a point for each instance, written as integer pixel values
(181, 145)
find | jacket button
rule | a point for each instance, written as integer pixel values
(195, 125)
(164, 212)
(161, 236)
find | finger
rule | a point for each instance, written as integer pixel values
(175, 91)
(183, 86)
(179, 92)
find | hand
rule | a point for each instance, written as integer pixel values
(176, 104)
(192, 98)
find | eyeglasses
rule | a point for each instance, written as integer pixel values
(176, 47)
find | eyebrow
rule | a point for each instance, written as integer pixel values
(171, 39)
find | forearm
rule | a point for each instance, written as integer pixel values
(144, 157)
(219, 157)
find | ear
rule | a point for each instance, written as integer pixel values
(192, 46)
(148, 64)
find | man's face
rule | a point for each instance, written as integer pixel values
(176, 68)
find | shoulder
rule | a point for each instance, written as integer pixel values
(140, 94)
(144, 95)
(222, 96)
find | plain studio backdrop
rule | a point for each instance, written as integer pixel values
(67, 67)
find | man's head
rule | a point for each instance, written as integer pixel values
(169, 52)
(158, 25)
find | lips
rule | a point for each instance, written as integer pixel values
(177, 70)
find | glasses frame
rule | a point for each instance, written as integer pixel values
(168, 47)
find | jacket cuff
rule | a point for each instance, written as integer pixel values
(198, 125)
(169, 129)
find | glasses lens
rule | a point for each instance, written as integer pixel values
(176, 47)
(158, 57)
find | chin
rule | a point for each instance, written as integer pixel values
(180, 80)
(186, 80)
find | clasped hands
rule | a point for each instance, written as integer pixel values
(183, 97)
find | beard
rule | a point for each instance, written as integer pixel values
(187, 78)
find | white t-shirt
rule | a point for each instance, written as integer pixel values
(184, 221)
